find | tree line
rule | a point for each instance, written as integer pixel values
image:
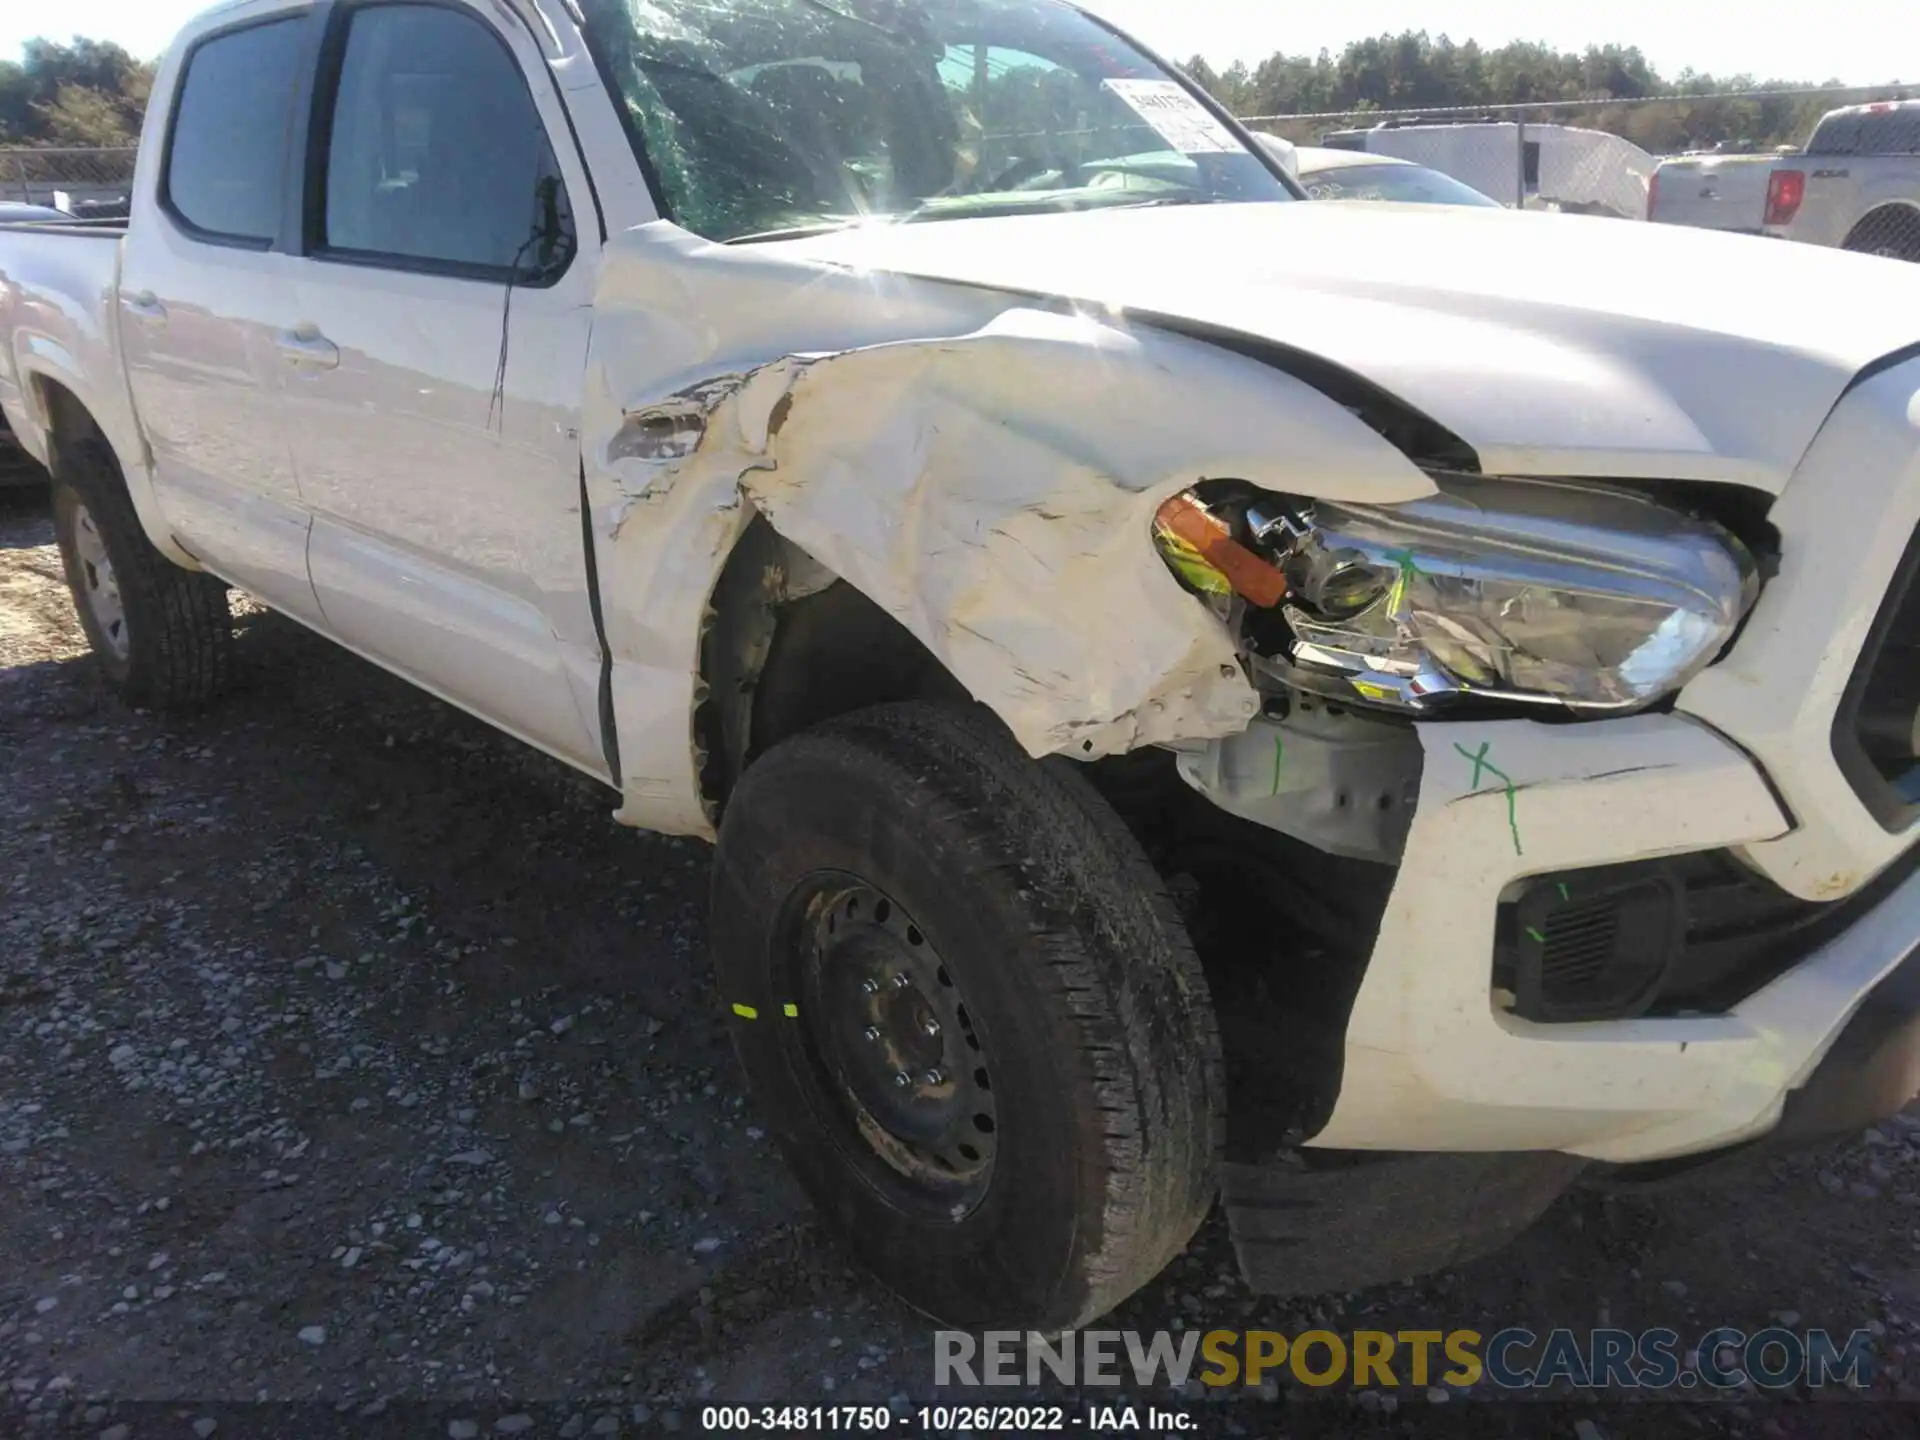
(89, 92)
(1414, 71)
(92, 92)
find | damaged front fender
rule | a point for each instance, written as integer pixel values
(991, 488)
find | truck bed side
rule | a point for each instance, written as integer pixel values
(60, 345)
(58, 289)
(1849, 198)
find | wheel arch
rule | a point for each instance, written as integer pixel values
(787, 645)
(62, 406)
(1900, 216)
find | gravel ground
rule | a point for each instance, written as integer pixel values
(348, 1052)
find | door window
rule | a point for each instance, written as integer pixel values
(436, 157)
(227, 155)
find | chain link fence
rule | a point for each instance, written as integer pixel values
(1890, 230)
(46, 175)
(1589, 156)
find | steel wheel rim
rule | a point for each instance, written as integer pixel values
(99, 585)
(898, 1052)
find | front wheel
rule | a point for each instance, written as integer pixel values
(971, 1016)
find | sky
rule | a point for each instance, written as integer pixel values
(1853, 41)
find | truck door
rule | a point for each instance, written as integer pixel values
(446, 305)
(206, 296)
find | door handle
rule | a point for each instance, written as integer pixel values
(307, 349)
(146, 307)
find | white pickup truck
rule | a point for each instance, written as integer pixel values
(1364, 709)
(1855, 186)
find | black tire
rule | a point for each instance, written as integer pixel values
(1892, 231)
(172, 647)
(1051, 942)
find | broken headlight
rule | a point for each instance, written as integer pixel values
(1584, 596)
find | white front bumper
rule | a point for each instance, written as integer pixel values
(1433, 1064)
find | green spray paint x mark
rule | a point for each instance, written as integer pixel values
(1408, 569)
(1482, 765)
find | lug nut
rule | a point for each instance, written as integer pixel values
(873, 1034)
(902, 1079)
(870, 987)
(934, 1077)
(930, 1027)
(902, 981)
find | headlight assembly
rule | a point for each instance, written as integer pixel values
(1582, 596)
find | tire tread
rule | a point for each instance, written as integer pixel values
(1108, 944)
(179, 624)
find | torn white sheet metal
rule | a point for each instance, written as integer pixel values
(986, 473)
(1432, 1063)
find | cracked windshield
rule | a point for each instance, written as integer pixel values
(760, 119)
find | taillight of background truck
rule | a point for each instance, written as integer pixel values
(1785, 190)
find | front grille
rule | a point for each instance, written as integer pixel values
(1876, 734)
(1695, 934)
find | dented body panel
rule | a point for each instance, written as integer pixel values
(1553, 345)
(983, 469)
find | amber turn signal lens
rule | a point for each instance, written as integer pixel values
(1185, 520)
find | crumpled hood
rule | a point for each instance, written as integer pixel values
(1554, 345)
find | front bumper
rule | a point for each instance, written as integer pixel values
(1433, 1063)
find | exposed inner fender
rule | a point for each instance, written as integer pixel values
(993, 492)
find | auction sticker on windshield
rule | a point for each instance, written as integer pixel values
(1182, 121)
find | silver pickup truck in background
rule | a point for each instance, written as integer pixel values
(1855, 186)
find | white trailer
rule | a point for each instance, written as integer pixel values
(1519, 163)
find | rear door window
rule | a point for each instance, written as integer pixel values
(227, 155)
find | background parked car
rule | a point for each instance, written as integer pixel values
(1356, 175)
